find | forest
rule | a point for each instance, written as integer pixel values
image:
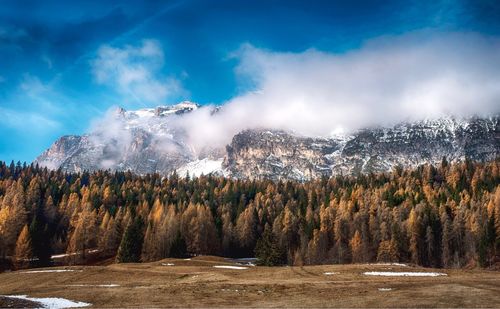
(434, 216)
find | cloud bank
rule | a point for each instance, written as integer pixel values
(134, 72)
(386, 81)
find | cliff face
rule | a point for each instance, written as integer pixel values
(277, 154)
(281, 155)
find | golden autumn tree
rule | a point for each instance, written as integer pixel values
(24, 251)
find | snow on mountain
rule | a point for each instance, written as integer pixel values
(149, 141)
(143, 141)
(201, 167)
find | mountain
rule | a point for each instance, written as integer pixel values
(143, 141)
(147, 141)
(278, 154)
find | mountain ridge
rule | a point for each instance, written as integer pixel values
(145, 141)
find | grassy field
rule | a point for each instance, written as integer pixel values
(197, 283)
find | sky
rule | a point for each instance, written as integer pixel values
(288, 64)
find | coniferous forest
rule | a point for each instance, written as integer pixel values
(435, 216)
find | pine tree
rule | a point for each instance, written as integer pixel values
(131, 244)
(267, 250)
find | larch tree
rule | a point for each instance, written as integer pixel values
(24, 252)
(84, 236)
(356, 245)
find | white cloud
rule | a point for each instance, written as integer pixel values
(388, 80)
(134, 71)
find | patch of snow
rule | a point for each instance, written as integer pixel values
(328, 273)
(245, 261)
(188, 259)
(52, 302)
(49, 271)
(230, 267)
(58, 256)
(403, 274)
(167, 264)
(198, 167)
(146, 112)
(385, 289)
(389, 264)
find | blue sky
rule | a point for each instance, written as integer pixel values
(54, 55)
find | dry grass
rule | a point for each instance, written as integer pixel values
(196, 283)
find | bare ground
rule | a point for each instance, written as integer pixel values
(196, 283)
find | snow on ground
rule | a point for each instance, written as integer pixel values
(49, 271)
(245, 261)
(389, 264)
(403, 274)
(188, 259)
(58, 256)
(230, 267)
(52, 302)
(198, 167)
(329, 273)
(167, 264)
(384, 289)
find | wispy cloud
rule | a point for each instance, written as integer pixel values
(22, 121)
(41, 95)
(9, 33)
(46, 59)
(135, 72)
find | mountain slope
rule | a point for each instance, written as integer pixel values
(146, 141)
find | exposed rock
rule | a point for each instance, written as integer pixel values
(281, 155)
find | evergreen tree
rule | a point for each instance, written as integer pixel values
(131, 244)
(267, 250)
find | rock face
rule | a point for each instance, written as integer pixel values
(282, 155)
(278, 154)
(145, 141)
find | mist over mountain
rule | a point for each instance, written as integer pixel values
(154, 141)
(408, 99)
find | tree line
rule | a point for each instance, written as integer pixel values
(436, 216)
